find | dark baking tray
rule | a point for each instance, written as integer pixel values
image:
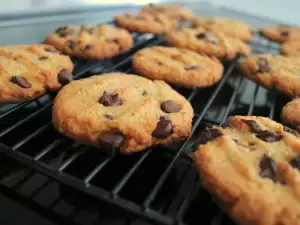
(160, 184)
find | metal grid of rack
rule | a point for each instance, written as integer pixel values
(172, 193)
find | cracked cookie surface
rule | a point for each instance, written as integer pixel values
(28, 71)
(231, 27)
(121, 112)
(252, 165)
(178, 66)
(274, 71)
(91, 42)
(208, 42)
(146, 23)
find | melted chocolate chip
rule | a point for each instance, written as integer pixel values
(191, 67)
(52, 50)
(43, 58)
(163, 128)
(263, 65)
(269, 136)
(255, 128)
(109, 99)
(170, 106)
(284, 33)
(269, 169)
(64, 76)
(227, 123)
(111, 140)
(295, 162)
(209, 135)
(294, 132)
(201, 35)
(72, 44)
(64, 31)
(109, 117)
(88, 47)
(21, 81)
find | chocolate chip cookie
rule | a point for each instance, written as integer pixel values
(252, 166)
(121, 112)
(274, 71)
(146, 23)
(178, 66)
(230, 27)
(290, 114)
(281, 33)
(208, 42)
(91, 42)
(172, 11)
(27, 71)
(290, 48)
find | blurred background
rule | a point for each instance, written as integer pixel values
(286, 11)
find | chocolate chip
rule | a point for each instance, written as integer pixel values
(64, 31)
(269, 169)
(52, 50)
(170, 106)
(163, 128)
(111, 140)
(295, 162)
(201, 35)
(43, 58)
(263, 65)
(255, 128)
(191, 67)
(209, 135)
(64, 76)
(294, 132)
(145, 93)
(227, 123)
(109, 117)
(284, 33)
(109, 99)
(72, 44)
(21, 81)
(269, 136)
(88, 47)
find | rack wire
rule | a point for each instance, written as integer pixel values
(173, 192)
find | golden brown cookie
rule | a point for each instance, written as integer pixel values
(207, 42)
(27, 71)
(91, 42)
(290, 114)
(178, 66)
(252, 166)
(230, 27)
(172, 11)
(121, 112)
(274, 71)
(281, 33)
(146, 23)
(290, 48)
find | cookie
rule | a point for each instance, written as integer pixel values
(290, 114)
(28, 71)
(208, 42)
(274, 71)
(90, 42)
(233, 28)
(178, 66)
(290, 48)
(281, 33)
(172, 11)
(121, 112)
(252, 166)
(146, 23)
